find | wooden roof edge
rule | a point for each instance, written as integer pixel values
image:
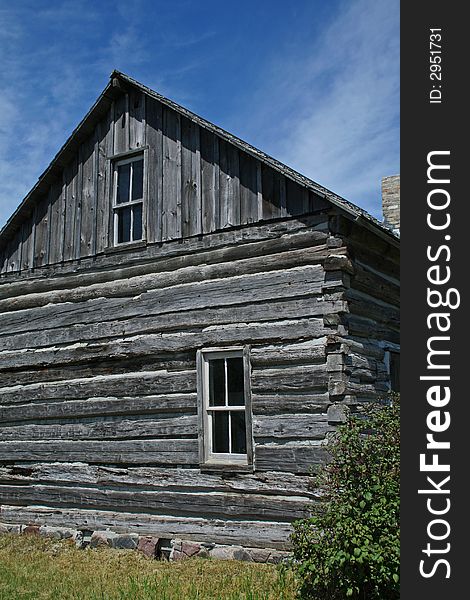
(113, 88)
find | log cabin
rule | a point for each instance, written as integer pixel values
(183, 322)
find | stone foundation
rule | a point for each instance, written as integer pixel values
(151, 546)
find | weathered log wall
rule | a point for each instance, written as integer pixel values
(98, 414)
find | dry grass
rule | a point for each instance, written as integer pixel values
(34, 568)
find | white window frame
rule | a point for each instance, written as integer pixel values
(208, 458)
(117, 162)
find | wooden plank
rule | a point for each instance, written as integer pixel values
(14, 253)
(139, 384)
(154, 126)
(257, 534)
(71, 208)
(28, 233)
(88, 197)
(104, 406)
(276, 403)
(136, 119)
(104, 135)
(229, 185)
(176, 452)
(209, 144)
(248, 189)
(97, 429)
(272, 203)
(41, 249)
(303, 378)
(121, 124)
(171, 206)
(190, 179)
(56, 249)
(296, 426)
(294, 457)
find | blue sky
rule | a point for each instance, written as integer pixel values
(314, 83)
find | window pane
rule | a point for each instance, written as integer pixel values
(238, 432)
(137, 180)
(124, 225)
(220, 432)
(124, 174)
(236, 395)
(217, 382)
(137, 223)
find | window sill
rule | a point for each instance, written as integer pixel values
(125, 246)
(226, 467)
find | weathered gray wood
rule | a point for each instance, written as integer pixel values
(71, 209)
(97, 429)
(154, 126)
(136, 119)
(176, 452)
(291, 427)
(209, 144)
(291, 456)
(297, 241)
(248, 189)
(121, 124)
(268, 332)
(88, 198)
(158, 478)
(171, 208)
(275, 403)
(28, 232)
(140, 383)
(104, 133)
(185, 504)
(104, 406)
(202, 292)
(190, 179)
(291, 379)
(258, 534)
(229, 185)
(41, 249)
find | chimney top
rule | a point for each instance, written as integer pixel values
(391, 202)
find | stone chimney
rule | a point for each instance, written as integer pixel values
(391, 202)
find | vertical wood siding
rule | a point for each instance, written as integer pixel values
(197, 183)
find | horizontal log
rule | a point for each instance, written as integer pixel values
(258, 534)
(293, 457)
(184, 504)
(130, 384)
(260, 311)
(138, 346)
(109, 406)
(290, 379)
(284, 354)
(291, 427)
(274, 404)
(176, 452)
(122, 286)
(155, 478)
(298, 281)
(99, 429)
(54, 281)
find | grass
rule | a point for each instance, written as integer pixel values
(36, 568)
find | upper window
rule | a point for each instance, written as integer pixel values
(128, 199)
(224, 407)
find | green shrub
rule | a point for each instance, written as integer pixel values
(350, 546)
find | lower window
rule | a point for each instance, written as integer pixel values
(224, 407)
